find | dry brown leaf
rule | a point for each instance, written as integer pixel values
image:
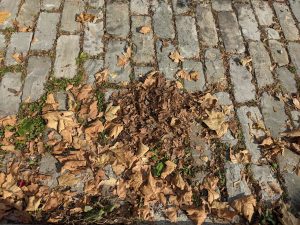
(116, 130)
(296, 103)
(216, 122)
(171, 213)
(176, 57)
(245, 206)
(293, 133)
(4, 16)
(85, 17)
(124, 58)
(287, 217)
(142, 150)
(109, 182)
(145, 30)
(18, 57)
(267, 141)
(68, 179)
(179, 182)
(242, 156)
(170, 167)
(197, 215)
(194, 75)
(95, 128)
(183, 75)
(111, 111)
(102, 76)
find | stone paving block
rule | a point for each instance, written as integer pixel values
(46, 30)
(294, 51)
(68, 20)
(292, 183)
(296, 118)
(194, 66)
(143, 44)
(267, 182)
(2, 42)
(92, 42)
(67, 51)
(295, 6)
(230, 31)
(286, 21)
(38, 70)
(248, 22)
(279, 53)
(139, 7)
(117, 19)
(272, 34)
(214, 67)
(29, 10)
(261, 64)
(50, 4)
(165, 64)
(181, 6)
(140, 71)
(207, 28)
(274, 115)
(11, 6)
(117, 73)
(248, 116)
(10, 94)
(187, 36)
(96, 3)
(263, 12)
(162, 20)
(288, 161)
(91, 67)
(241, 78)
(20, 44)
(235, 181)
(287, 80)
(221, 5)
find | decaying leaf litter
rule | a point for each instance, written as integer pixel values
(127, 157)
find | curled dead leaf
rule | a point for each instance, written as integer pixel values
(176, 57)
(245, 206)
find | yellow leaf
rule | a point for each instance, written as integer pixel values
(176, 57)
(4, 16)
(145, 30)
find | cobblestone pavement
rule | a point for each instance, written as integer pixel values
(247, 50)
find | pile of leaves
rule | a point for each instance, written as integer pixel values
(115, 161)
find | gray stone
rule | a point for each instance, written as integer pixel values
(2, 42)
(296, 118)
(10, 94)
(28, 12)
(61, 98)
(38, 70)
(139, 7)
(279, 54)
(68, 20)
(248, 116)
(194, 66)
(96, 3)
(224, 98)
(45, 33)
(294, 50)
(143, 45)
(274, 115)
(162, 20)
(207, 28)
(181, 6)
(50, 4)
(187, 36)
(19, 44)
(292, 183)
(11, 6)
(241, 78)
(67, 51)
(270, 189)
(221, 5)
(117, 19)
(229, 139)
(248, 22)
(91, 67)
(235, 181)
(117, 73)
(140, 71)
(261, 64)
(230, 31)
(48, 164)
(165, 64)
(263, 12)
(214, 68)
(287, 80)
(272, 34)
(288, 161)
(93, 34)
(286, 21)
(295, 5)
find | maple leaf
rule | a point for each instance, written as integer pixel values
(176, 57)
(145, 30)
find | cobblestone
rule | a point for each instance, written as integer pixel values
(194, 66)
(68, 20)
(279, 54)
(28, 12)
(67, 51)
(10, 94)
(11, 6)
(294, 50)
(96, 3)
(272, 34)
(91, 67)
(295, 5)
(261, 63)
(37, 73)
(19, 44)
(296, 118)
(287, 80)
(45, 33)
(221, 5)
(93, 34)
(264, 12)
(50, 4)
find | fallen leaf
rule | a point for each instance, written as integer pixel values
(267, 141)
(245, 205)
(116, 130)
(145, 30)
(102, 76)
(124, 58)
(68, 179)
(18, 57)
(85, 17)
(293, 133)
(4, 16)
(111, 111)
(170, 167)
(142, 150)
(296, 103)
(197, 215)
(33, 203)
(176, 57)
(242, 156)
(216, 122)
(171, 213)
